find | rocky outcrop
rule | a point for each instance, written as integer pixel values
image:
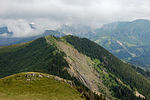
(30, 76)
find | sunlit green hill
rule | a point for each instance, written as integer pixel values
(36, 86)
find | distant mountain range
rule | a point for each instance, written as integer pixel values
(4, 31)
(8, 40)
(127, 40)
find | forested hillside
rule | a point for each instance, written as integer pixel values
(96, 73)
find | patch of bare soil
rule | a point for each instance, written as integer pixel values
(139, 95)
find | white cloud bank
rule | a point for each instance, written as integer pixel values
(49, 14)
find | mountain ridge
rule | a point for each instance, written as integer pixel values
(77, 59)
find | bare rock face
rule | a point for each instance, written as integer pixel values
(81, 67)
(33, 76)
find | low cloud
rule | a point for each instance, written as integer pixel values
(50, 14)
(20, 28)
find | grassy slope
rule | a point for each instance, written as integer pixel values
(121, 70)
(41, 87)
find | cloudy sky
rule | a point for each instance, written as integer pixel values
(50, 14)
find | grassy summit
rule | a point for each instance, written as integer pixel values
(36, 86)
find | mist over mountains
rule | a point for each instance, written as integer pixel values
(127, 40)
